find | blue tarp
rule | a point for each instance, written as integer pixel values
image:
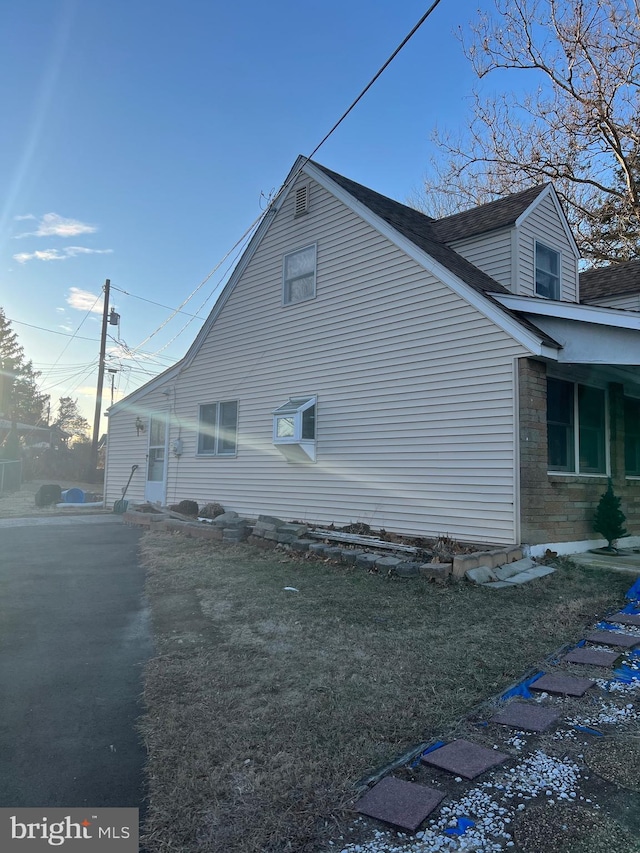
(522, 689)
(634, 591)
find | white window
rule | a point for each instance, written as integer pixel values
(547, 272)
(217, 429)
(294, 429)
(299, 275)
(576, 427)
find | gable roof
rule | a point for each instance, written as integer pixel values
(411, 224)
(614, 280)
(501, 213)
(419, 228)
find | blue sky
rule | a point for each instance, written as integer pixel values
(139, 136)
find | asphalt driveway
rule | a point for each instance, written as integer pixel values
(74, 637)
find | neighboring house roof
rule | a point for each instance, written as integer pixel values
(501, 213)
(614, 280)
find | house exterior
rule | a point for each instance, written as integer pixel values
(368, 363)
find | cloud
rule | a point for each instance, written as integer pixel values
(54, 225)
(44, 255)
(26, 216)
(58, 254)
(84, 300)
(73, 251)
(61, 310)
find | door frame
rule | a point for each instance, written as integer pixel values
(164, 414)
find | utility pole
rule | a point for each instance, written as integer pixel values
(93, 459)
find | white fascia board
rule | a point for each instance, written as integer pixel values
(536, 345)
(537, 305)
(550, 190)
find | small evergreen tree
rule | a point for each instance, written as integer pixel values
(609, 518)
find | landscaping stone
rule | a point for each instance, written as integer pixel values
(613, 638)
(530, 718)
(366, 560)
(519, 565)
(496, 585)
(481, 574)
(403, 804)
(531, 574)
(387, 563)
(464, 758)
(625, 619)
(301, 544)
(507, 571)
(565, 685)
(407, 569)
(225, 518)
(463, 562)
(271, 535)
(332, 552)
(493, 558)
(296, 530)
(233, 522)
(270, 519)
(435, 571)
(233, 536)
(317, 548)
(591, 657)
(286, 538)
(348, 555)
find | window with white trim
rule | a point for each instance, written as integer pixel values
(547, 272)
(294, 428)
(632, 437)
(218, 428)
(299, 275)
(576, 427)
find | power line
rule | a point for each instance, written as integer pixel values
(292, 178)
(159, 304)
(54, 331)
(375, 77)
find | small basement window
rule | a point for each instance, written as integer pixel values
(547, 272)
(294, 429)
(299, 275)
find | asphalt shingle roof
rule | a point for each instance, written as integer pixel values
(418, 228)
(614, 280)
(501, 213)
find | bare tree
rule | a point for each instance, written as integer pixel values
(578, 126)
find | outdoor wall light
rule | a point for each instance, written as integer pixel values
(139, 426)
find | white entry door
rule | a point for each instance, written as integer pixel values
(154, 491)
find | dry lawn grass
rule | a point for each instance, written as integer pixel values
(265, 706)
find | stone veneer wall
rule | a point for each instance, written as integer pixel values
(560, 507)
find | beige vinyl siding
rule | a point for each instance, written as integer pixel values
(415, 391)
(544, 225)
(125, 448)
(489, 252)
(629, 302)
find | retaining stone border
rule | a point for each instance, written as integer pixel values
(270, 532)
(491, 559)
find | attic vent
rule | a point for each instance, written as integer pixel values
(302, 200)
